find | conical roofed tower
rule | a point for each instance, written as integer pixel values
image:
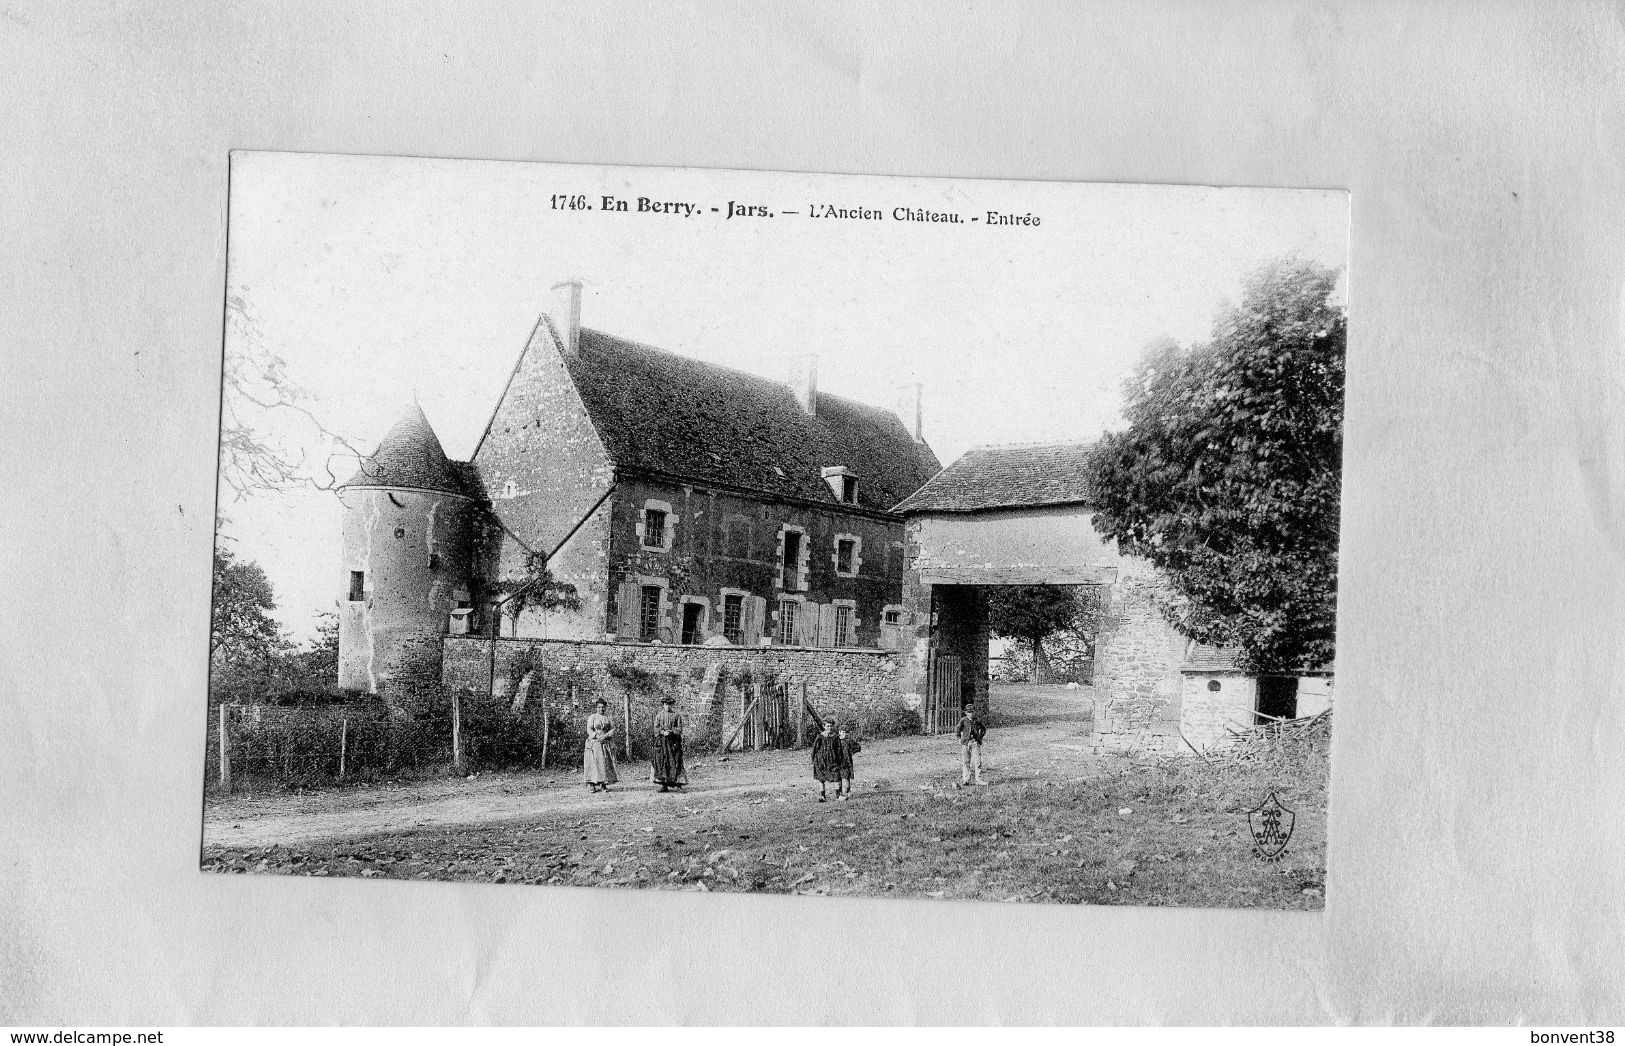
(410, 519)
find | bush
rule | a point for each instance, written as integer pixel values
(896, 720)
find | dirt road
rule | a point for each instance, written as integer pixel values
(1035, 730)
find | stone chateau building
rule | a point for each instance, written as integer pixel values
(689, 505)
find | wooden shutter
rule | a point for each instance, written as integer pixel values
(753, 620)
(668, 620)
(628, 598)
(826, 624)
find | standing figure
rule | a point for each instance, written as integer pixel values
(667, 770)
(598, 759)
(848, 747)
(826, 760)
(971, 731)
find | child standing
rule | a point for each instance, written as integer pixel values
(971, 731)
(826, 760)
(848, 747)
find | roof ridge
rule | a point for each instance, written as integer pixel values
(1080, 443)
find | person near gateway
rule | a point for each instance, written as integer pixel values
(598, 758)
(971, 731)
(667, 769)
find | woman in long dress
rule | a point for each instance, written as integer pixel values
(598, 760)
(667, 769)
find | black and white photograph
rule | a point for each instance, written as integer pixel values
(783, 533)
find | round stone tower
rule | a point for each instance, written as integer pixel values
(410, 520)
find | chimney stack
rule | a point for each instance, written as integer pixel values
(908, 408)
(804, 381)
(566, 314)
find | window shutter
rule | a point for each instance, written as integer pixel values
(755, 618)
(826, 624)
(627, 599)
(667, 628)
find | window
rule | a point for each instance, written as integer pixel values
(792, 561)
(691, 623)
(733, 613)
(849, 489)
(843, 626)
(894, 617)
(358, 584)
(845, 553)
(510, 489)
(654, 528)
(787, 621)
(649, 613)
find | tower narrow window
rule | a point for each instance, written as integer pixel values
(358, 585)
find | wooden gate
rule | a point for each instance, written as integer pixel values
(767, 723)
(943, 703)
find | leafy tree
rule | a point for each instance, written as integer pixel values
(1229, 474)
(1030, 614)
(243, 630)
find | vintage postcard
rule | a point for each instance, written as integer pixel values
(788, 533)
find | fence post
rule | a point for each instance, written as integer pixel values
(225, 749)
(545, 721)
(344, 738)
(626, 710)
(456, 732)
(759, 721)
(801, 717)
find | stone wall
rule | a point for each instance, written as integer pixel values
(710, 683)
(1209, 715)
(544, 468)
(719, 542)
(1137, 658)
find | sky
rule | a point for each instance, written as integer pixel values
(382, 280)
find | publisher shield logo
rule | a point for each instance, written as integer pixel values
(1271, 823)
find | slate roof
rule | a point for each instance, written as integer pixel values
(1022, 476)
(661, 412)
(410, 455)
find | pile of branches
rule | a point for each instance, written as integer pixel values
(1274, 739)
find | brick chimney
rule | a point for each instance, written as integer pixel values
(908, 408)
(804, 381)
(566, 314)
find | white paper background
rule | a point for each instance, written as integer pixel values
(1478, 816)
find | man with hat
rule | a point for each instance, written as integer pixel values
(971, 731)
(667, 770)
